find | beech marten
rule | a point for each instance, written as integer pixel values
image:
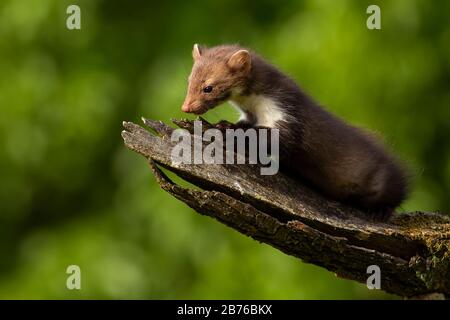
(342, 161)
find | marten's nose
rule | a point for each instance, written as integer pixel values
(186, 107)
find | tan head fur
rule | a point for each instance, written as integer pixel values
(217, 73)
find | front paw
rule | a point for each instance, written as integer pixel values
(224, 124)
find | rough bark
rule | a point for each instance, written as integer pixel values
(412, 250)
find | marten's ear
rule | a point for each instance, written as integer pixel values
(240, 60)
(196, 51)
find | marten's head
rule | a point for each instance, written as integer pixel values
(217, 74)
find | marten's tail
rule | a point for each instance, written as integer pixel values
(386, 190)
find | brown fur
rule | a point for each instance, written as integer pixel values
(341, 160)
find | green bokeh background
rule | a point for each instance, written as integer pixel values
(71, 193)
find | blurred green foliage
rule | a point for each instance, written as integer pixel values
(70, 193)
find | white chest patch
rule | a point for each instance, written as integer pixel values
(265, 110)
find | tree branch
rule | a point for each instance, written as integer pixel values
(412, 250)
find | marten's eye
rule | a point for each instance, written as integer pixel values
(207, 89)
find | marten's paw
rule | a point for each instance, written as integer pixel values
(381, 214)
(224, 125)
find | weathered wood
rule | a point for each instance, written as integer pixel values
(412, 250)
